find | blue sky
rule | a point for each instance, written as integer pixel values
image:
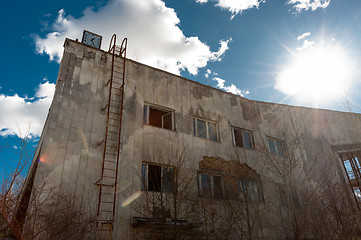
(299, 52)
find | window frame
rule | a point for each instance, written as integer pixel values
(238, 196)
(242, 130)
(281, 144)
(195, 128)
(145, 177)
(352, 171)
(146, 111)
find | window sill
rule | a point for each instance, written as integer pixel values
(147, 191)
(158, 127)
(207, 139)
(252, 149)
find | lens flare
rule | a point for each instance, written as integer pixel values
(44, 158)
(130, 199)
(319, 74)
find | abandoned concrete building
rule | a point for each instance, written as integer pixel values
(163, 153)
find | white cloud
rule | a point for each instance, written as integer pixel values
(306, 45)
(208, 72)
(152, 29)
(303, 36)
(300, 5)
(235, 6)
(24, 116)
(216, 56)
(232, 89)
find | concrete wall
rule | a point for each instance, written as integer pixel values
(72, 156)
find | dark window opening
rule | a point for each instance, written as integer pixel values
(238, 138)
(242, 138)
(158, 117)
(157, 178)
(154, 178)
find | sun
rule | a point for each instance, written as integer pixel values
(319, 74)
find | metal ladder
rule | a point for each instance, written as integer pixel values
(112, 142)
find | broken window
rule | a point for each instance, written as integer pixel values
(205, 129)
(158, 117)
(276, 146)
(242, 138)
(157, 178)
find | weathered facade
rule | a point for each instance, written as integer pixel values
(228, 146)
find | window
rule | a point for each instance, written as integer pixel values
(250, 190)
(352, 165)
(276, 147)
(205, 186)
(227, 187)
(158, 117)
(210, 186)
(157, 178)
(205, 129)
(242, 138)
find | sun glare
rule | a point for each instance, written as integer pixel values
(320, 74)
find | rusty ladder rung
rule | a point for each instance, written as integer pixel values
(112, 139)
(114, 113)
(110, 169)
(108, 177)
(118, 72)
(113, 132)
(114, 119)
(116, 95)
(107, 193)
(112, 100)
(115, 106)
(111, 153)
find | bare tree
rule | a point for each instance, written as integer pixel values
(57, 215)
(13, 178)
(167, 207)
(312, 201)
